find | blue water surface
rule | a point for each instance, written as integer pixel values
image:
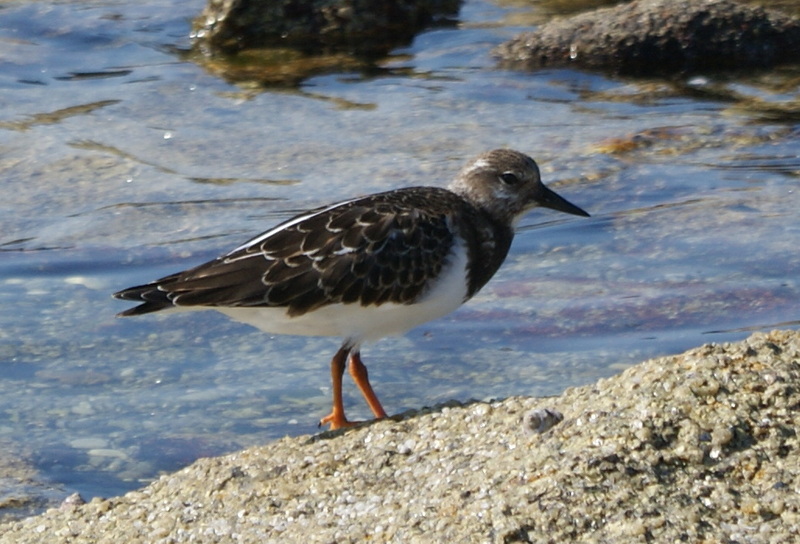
(124, 161)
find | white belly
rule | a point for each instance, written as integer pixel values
(364, 323)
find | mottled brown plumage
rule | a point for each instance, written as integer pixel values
(382, 248)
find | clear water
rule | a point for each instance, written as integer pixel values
(123, 162)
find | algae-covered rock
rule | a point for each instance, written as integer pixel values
(659, 36)
(315, 26)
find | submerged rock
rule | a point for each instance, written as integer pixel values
(659, 36)
(701, 446)
(23, 489)
(315, 26)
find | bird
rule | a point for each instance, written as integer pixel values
(368, 267)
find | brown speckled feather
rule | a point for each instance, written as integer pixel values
(386, 247)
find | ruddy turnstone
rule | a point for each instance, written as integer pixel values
(368, 267)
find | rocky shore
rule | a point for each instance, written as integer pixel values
(701, 446)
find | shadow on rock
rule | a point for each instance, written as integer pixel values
(647, 37)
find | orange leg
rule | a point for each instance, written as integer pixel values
(336, 419)
(359, 373)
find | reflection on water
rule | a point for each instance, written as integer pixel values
(113, 181)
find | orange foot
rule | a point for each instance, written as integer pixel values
(337, 421)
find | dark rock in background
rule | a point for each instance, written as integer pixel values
(366, 27)
(658, 37)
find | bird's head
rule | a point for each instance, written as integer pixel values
(506, 184)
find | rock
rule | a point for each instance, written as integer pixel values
(315, 26)
(541, 420)
(23, 490)
(658, 37)
(701, 446)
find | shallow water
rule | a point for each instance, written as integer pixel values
(122, 162)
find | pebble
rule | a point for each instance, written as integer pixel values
(541, 420)
(89, 443)
(703, 447)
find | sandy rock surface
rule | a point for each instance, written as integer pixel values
(701, 446)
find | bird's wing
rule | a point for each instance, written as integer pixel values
(367, 251)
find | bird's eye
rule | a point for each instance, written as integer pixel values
(509, 178)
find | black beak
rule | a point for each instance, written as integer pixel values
(551, 199)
